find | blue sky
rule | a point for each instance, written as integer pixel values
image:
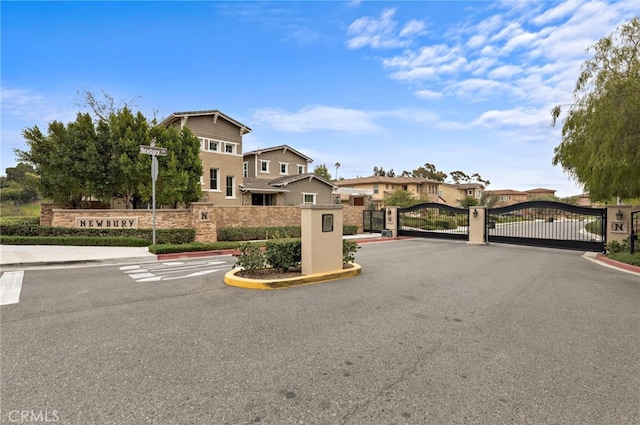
(464, 85)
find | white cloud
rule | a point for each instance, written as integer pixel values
(558, 12)
(428, 94)
(318, 117)
(504, 72)
(514, 118)
(381, 33)
(33, 107)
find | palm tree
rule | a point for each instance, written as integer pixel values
(337, 164)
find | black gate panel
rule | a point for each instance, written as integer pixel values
(635, 228)
(373, 221)
(432, 220)
(548, 224)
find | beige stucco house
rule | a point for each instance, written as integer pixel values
(382, 187)
(509, 196)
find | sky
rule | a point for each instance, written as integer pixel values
(463, 85)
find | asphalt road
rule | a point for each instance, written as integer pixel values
(431, 332)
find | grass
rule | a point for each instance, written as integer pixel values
(625, 257)
(10, 209)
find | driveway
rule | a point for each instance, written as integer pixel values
(431, 332)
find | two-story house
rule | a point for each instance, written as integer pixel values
(509, 196)
(280, 175)
(272, 176)
(220, 152)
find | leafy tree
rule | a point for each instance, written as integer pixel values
(337, 165)
(469, 201)
(19, 173)
(601, 130)
(401, 198)
(458, 176)
(321, 170)
(428, 171)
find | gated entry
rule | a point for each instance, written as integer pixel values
(548, 224)
(373, 221)
(432, 220)
(635, 228)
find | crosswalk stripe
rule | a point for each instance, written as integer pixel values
(10, 287)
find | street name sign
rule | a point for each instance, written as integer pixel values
(152, 150)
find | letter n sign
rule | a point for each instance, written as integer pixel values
(618, 227)
(204, 215)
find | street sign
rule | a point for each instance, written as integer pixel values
(150, 150)
(154, 168)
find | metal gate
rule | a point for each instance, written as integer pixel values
(548, 224)
(373, 221)
(635, 228)
(432, 220)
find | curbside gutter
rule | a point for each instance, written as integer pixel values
(231, 279)
(617, 264)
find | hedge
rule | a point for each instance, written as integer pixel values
(72, 241)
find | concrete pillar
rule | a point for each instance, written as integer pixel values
(391, 221)
(321, 238)
(618, 229)
(476, 226)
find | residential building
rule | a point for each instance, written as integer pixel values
(280, 175)
(509, 196)
(382, 187)
(220, 152)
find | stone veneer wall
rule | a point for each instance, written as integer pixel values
(204, 217)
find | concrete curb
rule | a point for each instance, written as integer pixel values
(231, 279)
(617, 264)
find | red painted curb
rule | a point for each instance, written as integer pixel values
(618, 264)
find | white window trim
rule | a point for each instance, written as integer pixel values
(233, 187)
(217, 189)
(221, 146)
(301, 168)
(264, 161)
(245, 169)
(304, 195)
(286, 168)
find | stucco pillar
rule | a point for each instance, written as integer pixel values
(618, 229)
(321, 228)
(391, 221)
(476, 226)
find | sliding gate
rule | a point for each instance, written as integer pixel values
(432, 220)
(548, 224)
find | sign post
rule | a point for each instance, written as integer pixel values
(154, 152)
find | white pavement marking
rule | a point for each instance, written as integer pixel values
(10, 287)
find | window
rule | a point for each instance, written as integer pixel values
(309, 198)
(213, 179)
(284, 168)
(375, 188)
(264, 166)
(231, 187)
(245, 169)
(405, 187)
(470, 192)
(209, 144)
(300, 169)
(230, 147)
(261, 199)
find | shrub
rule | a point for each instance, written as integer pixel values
(72, 241)
(626, 257)
(20, 220)
(283, 253)
(349, 249)
(349, 229)
(251, 257)
(614, 247)
(257, 233)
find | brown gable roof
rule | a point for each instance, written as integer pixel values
(214, 112)
(276, 148)
(283, 181)
(253, 184)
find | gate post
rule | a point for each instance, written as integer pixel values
(321, 238)
(477, 226)
(391, 221)
(618, 219)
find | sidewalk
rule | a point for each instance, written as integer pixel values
(15, 256)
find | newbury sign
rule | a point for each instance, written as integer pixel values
(107, 223)
(151, 150)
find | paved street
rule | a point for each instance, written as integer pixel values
(431, 332)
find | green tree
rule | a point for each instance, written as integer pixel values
(427, 171)
(601, 130)
(321, 170)
(401, 198)
(469, 201)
